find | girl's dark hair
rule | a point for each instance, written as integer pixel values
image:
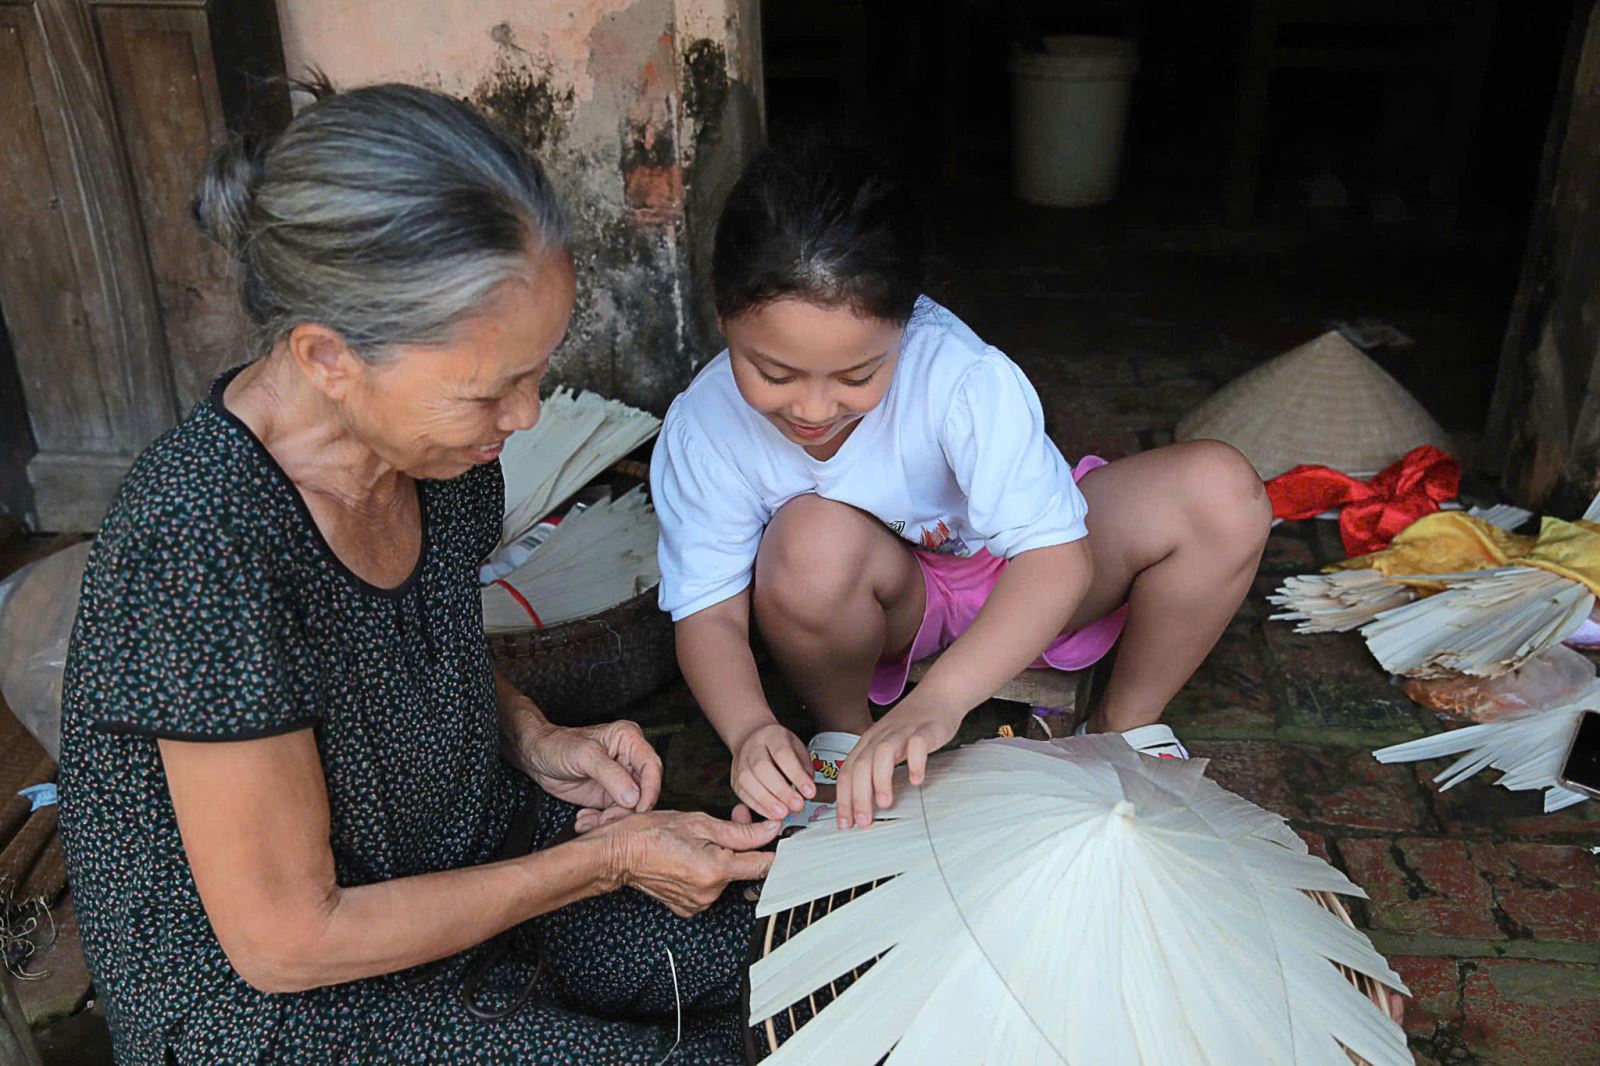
(830, 227)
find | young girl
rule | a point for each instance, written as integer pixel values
(873, 483)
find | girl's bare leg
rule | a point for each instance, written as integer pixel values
(1177, 534)
(834, 592)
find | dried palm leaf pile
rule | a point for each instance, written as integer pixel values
(1457, 597)
(575, 438)
(594, 559)
(1526, 747)
(547, 570)
(1457, 594)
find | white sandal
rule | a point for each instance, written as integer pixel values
(1157, 741)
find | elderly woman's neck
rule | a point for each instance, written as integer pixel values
(307, 435)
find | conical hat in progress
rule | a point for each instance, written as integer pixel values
(1325, 402)
(1069, 903)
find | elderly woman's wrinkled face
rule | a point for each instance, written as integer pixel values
(435, 411)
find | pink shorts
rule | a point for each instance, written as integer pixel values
(957, 588)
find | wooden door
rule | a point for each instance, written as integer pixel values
(162, 59)
(73, 276)
(119, 312)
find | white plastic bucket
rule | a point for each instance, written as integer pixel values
(1069, 108)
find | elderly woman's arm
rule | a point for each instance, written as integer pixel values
(254, 820)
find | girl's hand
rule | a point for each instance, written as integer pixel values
(609, 770)
(1397, 1005)
(687, 860)
(907, 734)
(772, 772)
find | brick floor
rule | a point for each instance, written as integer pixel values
(1348, 787)
(1422, 885)
(1544, 891)
(1228, 695)
(1434, 1008)
(1252, 768)
(1517, 1011)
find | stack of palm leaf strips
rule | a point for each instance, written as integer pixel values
(1457, 594)
(592, 559)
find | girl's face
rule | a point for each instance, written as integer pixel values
(812, 371)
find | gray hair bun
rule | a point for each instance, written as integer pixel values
(221, 206)
(387, 213)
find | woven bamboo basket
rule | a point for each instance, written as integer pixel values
(762, 1040)
(583, 671)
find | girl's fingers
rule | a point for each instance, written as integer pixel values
(883, 763)
(741, 814)
(855, 775)
(917, 757)
(772, 778)
(861, 783)
(754, 793)
(843, 808)
(794, 764)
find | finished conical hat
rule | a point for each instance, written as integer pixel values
(1325, 402)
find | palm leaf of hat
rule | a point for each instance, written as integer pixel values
(1072, 902)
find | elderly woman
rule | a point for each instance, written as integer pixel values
(290, 822)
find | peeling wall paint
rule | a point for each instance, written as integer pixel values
(642, 111)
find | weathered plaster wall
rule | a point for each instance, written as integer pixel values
(641, 110)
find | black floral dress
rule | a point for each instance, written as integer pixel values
(213, 609)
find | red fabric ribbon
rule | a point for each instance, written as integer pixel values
(1376, 510)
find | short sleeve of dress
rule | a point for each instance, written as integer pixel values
(484, 492)
(1020, 491)
(193, 637)
(711, 522)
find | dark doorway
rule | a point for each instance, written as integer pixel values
(1126, 314)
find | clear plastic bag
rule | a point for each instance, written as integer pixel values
(37, 606)
(1549, 679)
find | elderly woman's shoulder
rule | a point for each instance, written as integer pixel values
(200, 479)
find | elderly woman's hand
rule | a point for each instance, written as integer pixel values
(609, 770)
(686, 860)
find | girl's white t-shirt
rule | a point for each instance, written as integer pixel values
(953, 460)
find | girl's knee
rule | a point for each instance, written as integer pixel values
(1226, 495)
(810, 557)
